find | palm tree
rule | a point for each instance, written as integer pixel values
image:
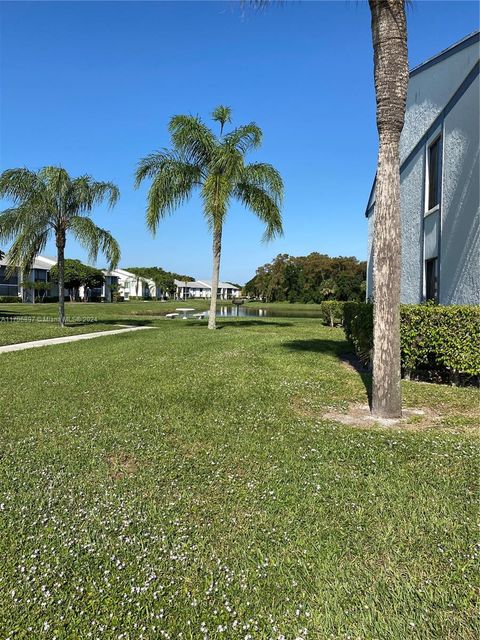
(51, 203)
(216, 165)
(389, 34)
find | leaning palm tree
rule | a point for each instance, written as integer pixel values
(51, 203)
(389, 34)
(216, 166)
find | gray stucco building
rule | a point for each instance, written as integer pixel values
(439, 174)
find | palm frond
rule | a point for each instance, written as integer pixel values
(86, 193)
(27, 245)
(265, 176)
(192, 138)
(259, 201)
(228, 161)
(216, 192)
(245, 138)
(173, 182)
(222, 114)
(56, 182)
(18, 184)
(95, 240)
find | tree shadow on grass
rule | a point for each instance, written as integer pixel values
(342, 350)
(120, 322)
(253, 323)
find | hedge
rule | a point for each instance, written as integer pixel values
(5, 299)
(441, 340)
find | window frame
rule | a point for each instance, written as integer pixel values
(435, 138)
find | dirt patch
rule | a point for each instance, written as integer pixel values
(121, 465)
(302, 408)
(358, 415)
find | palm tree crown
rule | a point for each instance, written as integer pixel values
(216, 166)
(51, 203)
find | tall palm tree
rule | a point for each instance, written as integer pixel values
(51, 203)
(216, 166)
(390, 55)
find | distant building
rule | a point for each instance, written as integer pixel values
(439, 155)
(17, 285)
(128, 284)
(203, 289)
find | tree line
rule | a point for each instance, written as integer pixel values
(313, 278)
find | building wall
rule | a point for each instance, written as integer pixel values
(460, 232)
(454, 231)
(429, 91)
(411, 202)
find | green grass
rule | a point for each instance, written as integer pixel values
(179, 483)
(39, 321)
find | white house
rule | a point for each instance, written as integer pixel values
(439, 180)
(129, 285)
(203, 289)
(17, 284)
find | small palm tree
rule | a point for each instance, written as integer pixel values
(51, 203)
(216, 166)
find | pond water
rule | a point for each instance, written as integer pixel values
(243, 311)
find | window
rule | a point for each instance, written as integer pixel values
(433, 191)
(431, 279)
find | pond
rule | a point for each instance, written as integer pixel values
(243, 311)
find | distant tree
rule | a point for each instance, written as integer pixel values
(40, 288)
(51, 203)
(216, 166)
(311, 278)
(163, 279)
(76, 275)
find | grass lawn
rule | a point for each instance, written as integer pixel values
(39, 321)
(180, 483)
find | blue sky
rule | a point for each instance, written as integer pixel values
(92, 85)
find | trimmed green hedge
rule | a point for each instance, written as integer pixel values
(9, 299)
(441, 340)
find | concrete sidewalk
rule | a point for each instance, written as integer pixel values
(82, 336)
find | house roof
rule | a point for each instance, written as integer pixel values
(445, 53)
(40, 262)
(472, 38)
(204, 284)
(123, 273)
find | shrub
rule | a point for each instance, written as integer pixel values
(6, 299)
(443, 340)
(358, 327)
(331, 312)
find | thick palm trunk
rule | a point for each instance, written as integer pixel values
(389, 35)
(61, 278)
(217, 249)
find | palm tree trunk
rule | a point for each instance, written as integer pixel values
(217, 249)
(61, 278)
(389, 34)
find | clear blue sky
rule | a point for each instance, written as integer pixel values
(92, 85)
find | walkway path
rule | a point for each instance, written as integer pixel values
(82, 336)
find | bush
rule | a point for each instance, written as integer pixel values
(441, 340)
(6, 299)
(331, 312)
